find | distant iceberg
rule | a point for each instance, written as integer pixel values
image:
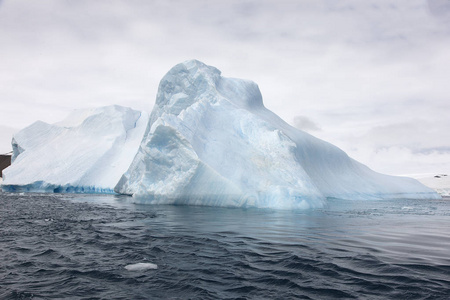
(210, 141)
(86, 153)
(438, 182)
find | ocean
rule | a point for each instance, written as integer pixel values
(71, 246)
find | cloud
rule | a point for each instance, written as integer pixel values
(417, 135)
(306, 124)
(402, 161)
(351, 66)
(411, 147)
(439, 8)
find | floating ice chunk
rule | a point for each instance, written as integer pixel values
(141, 267)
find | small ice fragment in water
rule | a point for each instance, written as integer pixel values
(141, 267)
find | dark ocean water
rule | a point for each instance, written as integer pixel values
(77, 247)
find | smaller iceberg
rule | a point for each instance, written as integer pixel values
(86, 153)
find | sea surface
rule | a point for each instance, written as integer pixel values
(56, 246)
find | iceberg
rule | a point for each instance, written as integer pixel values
(210, 141)
(88, 152)
(438, 182)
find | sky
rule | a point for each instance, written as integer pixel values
(371, 77)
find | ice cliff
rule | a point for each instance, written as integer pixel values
(211, 141)
(87, 152)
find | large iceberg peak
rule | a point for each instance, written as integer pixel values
(180, 87)
(210, 141)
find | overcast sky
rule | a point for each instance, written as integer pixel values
(372, 77)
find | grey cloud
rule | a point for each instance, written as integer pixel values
(305, 123)
(349, 66)
(419, 136)
(428, 151)
(440, 8)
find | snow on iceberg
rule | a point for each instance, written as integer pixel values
(87, 152)
(211, 141)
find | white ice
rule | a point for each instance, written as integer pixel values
(141, 267)
(440, 182)
(87, 152)
(210, 141)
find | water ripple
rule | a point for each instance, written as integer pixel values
(78, 246)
